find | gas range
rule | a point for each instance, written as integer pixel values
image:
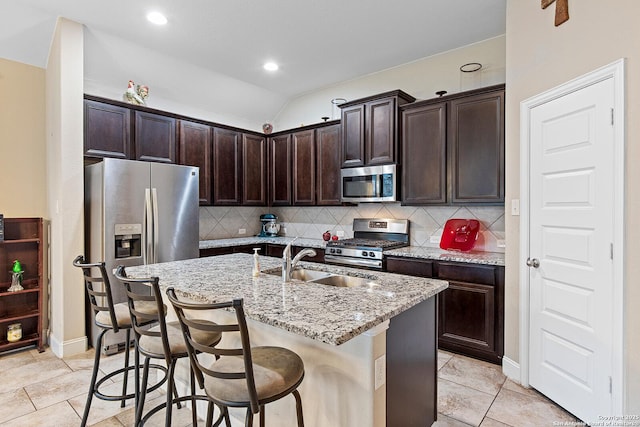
(371, 237)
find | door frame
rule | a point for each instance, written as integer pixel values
(615, 71)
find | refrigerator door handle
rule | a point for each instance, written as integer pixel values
(147, 233)
(156, 231)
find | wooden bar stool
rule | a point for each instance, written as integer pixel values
(108, 317)
(164, 341)
(269, 373)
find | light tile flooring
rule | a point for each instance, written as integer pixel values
(38, 389)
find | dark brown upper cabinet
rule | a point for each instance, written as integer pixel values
(453, 149)
(328, 165)
(424, 154)
(476, 148)
(370, 129)
(194, 149)
(227, 171)
(107, 130)
(155, 137)
(304, 166)
(254, 170)
(280, 170)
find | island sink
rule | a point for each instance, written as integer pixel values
(324, 278)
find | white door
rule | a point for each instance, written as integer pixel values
(571, 187)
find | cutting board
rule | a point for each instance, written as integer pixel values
(460, 234)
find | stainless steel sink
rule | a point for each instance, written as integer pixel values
(344, 281)
(308, 275)
(325, 278)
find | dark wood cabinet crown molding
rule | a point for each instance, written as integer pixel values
(401, 95)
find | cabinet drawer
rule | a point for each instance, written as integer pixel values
(411, 267)
(482, 274)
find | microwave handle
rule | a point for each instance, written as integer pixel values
(378, 185)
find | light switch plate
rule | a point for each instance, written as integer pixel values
(434, 239)
(242, 231)
(515, 207)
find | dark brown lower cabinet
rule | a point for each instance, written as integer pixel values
(470, 310)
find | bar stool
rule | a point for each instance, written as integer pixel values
(270, 373)
(108, 317)
(163, 341)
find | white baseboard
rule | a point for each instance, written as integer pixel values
(511, 369)
(67, 348)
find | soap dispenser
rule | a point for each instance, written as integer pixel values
(256, 262)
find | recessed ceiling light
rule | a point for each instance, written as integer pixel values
(156, 18)
(270, 66)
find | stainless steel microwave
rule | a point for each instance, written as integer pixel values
(369, 184)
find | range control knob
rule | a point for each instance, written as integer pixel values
(364, 253)
(338, 251)
(372, 254)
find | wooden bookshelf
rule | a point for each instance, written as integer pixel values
(22, 241)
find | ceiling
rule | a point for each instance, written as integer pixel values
(223, 44)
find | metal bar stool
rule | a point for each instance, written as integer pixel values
(164, 341)
(108, 317)
(270, 373)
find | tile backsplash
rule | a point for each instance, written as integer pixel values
(426, 222)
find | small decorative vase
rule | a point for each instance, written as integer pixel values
(16, 281)
(267, 128)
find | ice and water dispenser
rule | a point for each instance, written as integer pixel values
(128, 240)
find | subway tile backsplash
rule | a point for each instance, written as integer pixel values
(222, 222)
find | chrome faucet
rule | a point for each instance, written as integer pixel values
(288, 264)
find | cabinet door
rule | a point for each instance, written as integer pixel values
(380, 131)
(107, 130)
(304, 166)
(424, 155)
(476, 148)
(155, 137)
(254, 170)
(194, 149)
(353, 136)
(466, 317)
(227, 177)
(328, 189)
(280, 168)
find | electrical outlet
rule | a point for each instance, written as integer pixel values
(242, 231)
(340, 233)
(380, 371)
(434, 239)
(501, 243)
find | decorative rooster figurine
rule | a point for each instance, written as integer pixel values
(136, 94)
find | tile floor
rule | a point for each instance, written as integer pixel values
(38, 389)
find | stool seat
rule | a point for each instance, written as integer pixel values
(153, 345)
(275, 370)
(121, 311)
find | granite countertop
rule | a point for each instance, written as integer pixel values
(325, 313)
(471, 257)
(423, 252)
(255, 240)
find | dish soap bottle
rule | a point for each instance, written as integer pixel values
(256, 262)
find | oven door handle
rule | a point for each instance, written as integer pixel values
(353, 261)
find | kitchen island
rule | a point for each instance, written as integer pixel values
(369, 351)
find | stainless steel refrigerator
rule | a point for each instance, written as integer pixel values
(138, 213)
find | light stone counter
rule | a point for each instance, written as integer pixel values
(325, 313)
(255, 240)
(368, 351)
(471, 257)
(422, 252)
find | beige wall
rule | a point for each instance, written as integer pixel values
(22, 140)
(541, 56)
(421, 79)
